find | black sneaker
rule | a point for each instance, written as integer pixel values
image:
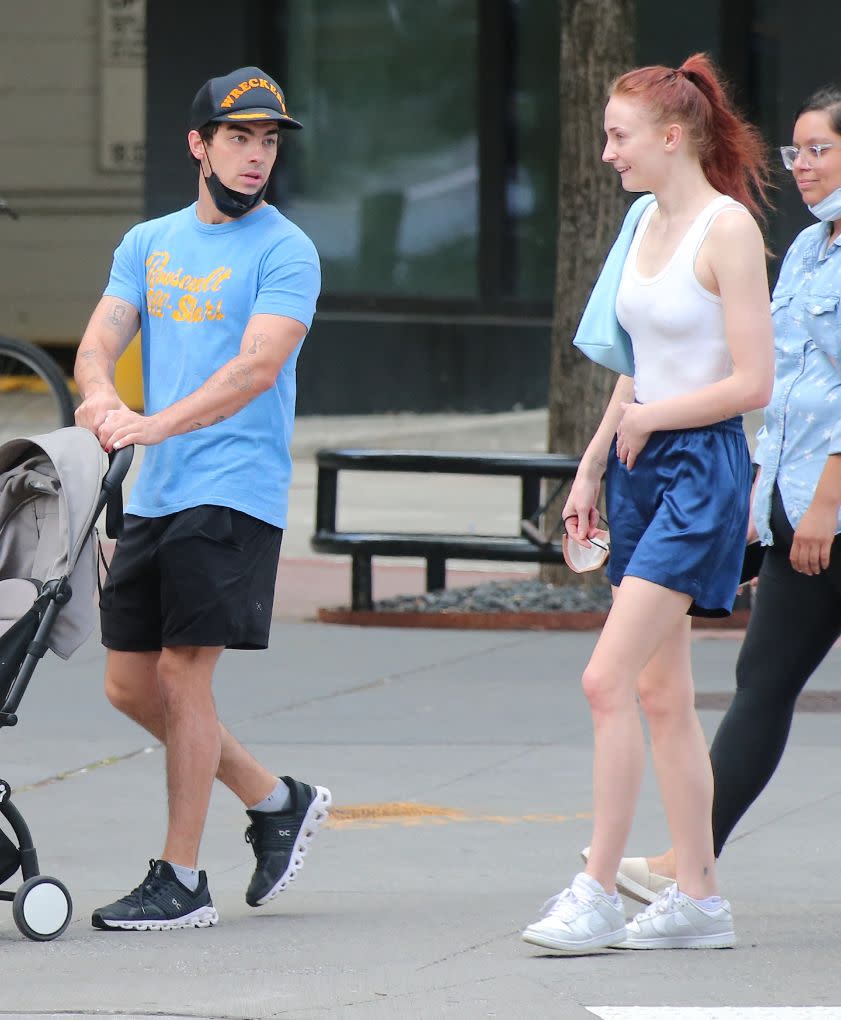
(280, 839)
(160, 902)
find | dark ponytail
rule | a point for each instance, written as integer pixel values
(827, 98)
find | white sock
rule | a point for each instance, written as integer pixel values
(188, 877)
(708, 903)
(278, 800)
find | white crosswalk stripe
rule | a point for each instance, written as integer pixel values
(716, 1012)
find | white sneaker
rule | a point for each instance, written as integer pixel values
(579, 919)
(635, 879)
(676, 921)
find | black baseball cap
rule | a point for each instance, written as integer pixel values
(247, 94)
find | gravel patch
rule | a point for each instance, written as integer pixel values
(530, 596)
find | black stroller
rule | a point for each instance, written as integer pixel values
(52, 490)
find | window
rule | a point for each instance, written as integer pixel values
(532, 187)
(385, 177)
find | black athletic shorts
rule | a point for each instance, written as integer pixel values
(204, 576)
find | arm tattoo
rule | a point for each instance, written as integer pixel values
(201, 425)
(87, 355)
(241, 379)
(116, 316)
(258, 341)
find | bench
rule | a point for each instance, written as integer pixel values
(436, 549)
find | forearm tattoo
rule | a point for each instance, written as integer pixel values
(89, 372)
(241, 379)
(203, 425)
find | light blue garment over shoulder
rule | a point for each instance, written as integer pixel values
(599, 334)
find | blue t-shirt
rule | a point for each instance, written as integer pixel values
(196, 285)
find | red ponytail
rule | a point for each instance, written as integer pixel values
(731, 151)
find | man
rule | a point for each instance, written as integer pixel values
(224, 292)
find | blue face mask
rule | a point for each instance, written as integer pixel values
(828, 209)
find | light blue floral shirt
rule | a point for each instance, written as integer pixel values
(803, 421)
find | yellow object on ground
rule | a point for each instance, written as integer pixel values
(128, 376)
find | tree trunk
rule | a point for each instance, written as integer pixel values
(597, 44)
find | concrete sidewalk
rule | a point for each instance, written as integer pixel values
(460, 768)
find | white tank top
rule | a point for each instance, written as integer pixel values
(676, 325)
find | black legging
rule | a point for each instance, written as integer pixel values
(795, 621)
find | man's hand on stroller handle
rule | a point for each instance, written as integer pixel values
(90, 414)
(123, 427)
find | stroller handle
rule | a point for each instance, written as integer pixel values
(119, 463)
(111, 495)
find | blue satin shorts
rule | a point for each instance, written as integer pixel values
(680, 517)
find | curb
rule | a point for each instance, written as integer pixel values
(738, 620)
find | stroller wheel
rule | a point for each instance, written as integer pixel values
(42, 908)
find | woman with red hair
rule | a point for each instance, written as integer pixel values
(693, 297)
(796, 618)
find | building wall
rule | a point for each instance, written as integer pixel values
(368, 351)
(56, 257)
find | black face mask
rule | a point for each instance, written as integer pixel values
(229, 202)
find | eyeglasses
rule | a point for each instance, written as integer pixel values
(810, 154)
